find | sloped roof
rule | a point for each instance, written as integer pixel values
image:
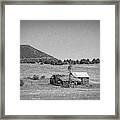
(80, 74)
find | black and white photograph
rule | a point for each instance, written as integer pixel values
(59, 59)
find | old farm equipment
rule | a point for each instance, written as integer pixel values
(72, 80)
(76, 78)
(55, 80)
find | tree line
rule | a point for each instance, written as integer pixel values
(60, 62)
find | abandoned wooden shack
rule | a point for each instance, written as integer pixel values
(82, 77)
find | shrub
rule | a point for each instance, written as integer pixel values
(42, 77)
(35, 77)
(21, 83)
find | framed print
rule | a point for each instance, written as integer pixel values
(60, 60)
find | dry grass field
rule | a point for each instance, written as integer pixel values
(42, 89)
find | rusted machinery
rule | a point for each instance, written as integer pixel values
(74, 81)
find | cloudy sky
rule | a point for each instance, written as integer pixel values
(63, 39)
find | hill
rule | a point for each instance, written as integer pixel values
(29, 52)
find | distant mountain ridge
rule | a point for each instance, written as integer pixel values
(27, 51)
(29, 54)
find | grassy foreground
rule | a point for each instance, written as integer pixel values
(43, 90)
